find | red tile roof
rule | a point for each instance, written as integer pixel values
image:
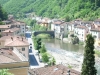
(98, 30)
(14, 41)
(58, 22)
(7, 56)
(18, 23)
(12, 30)
(53, 70)
(81, 27)
(5, 26)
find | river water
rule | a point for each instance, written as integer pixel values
(55, 44)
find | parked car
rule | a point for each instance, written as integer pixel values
(30, 43)
(30, 46)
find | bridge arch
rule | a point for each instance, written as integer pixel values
(44, 32)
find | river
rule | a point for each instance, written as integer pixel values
(55, 44)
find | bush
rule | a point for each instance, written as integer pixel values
(52, 62)
(75, 40)
(45, 57)
(69, 66)
(43, 49)
(43, 36)
(5, 72)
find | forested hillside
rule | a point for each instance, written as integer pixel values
(67, 9)
(3, 14)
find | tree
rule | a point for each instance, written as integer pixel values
(52, 61)
(37, 43)
(97, 3)
(5, 72)
(75, 40)
(32, 23)
(3, 14)
(45, 57)
(43, 49)
(89, 58)
(67, 18)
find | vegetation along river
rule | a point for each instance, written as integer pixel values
(55, 44)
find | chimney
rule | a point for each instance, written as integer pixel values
(12, 38)
(18, 37)
(22, 39)
(9, 31)
(2, 52)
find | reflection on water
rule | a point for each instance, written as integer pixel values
(65, 46)
(55, 44)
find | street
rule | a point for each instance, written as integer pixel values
(33, 58)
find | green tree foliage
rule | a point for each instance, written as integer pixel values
(37, 43)
(4, 72)
(89, 58)
(32, 23)
(67, 9)
(45, 57)
(44, 36)
(75, 40)
(43, 49)
(3, 14)
(52, 62)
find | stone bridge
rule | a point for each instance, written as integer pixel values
(44, 32)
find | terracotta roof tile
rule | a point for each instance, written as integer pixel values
(14, 41)
(58, 22)
(17, 42)
(53, 70)
(81, 27)
(98, 30)
(12, 30)
(5, 26)
(7, 56)
(18, 23)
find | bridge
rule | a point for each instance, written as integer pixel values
(44, 32)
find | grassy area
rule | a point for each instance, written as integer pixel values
(43, 36)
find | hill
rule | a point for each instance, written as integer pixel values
(68, 9)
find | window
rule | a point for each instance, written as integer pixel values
(23, 31)
(0, 30)
(23, 49)
(11, 48)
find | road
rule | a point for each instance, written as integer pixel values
(33, 58)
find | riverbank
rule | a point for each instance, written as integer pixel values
(68, 54)
(71, 60)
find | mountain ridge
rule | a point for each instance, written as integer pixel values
(67, 9)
